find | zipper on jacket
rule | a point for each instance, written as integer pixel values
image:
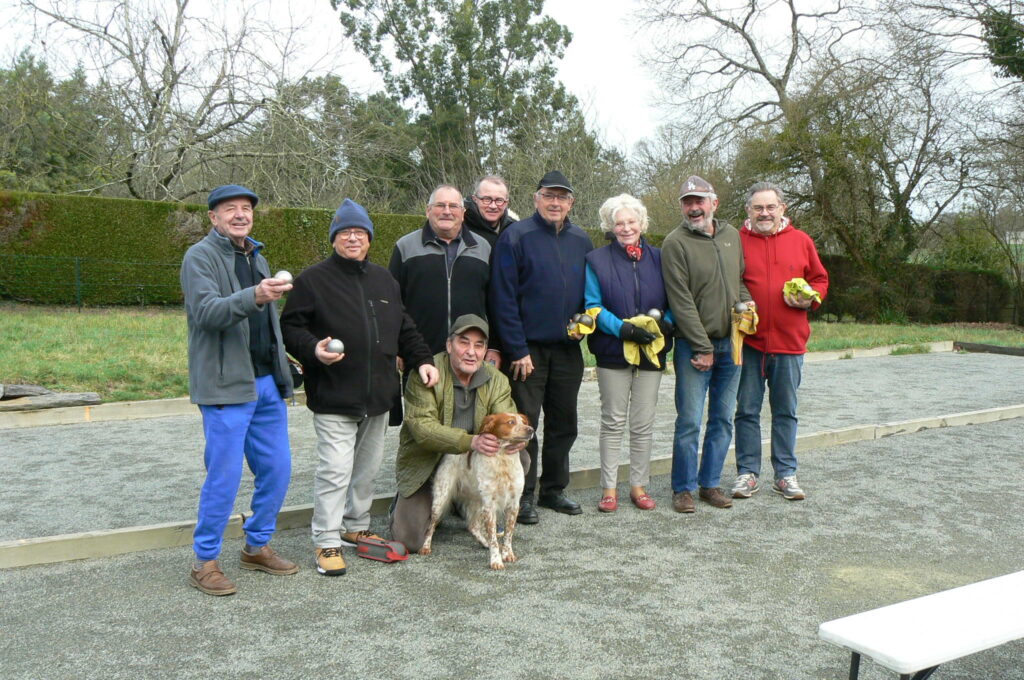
(636, 288)
(370, 343)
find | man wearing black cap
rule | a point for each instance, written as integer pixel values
(239, 377)
(537, 280)
(442, 420)
(702, 263)
(350, 392)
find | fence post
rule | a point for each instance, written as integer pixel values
(78, 282)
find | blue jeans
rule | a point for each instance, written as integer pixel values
(692, 387)
(258, 432)
(781, 373)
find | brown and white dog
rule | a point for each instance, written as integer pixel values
(486, 486)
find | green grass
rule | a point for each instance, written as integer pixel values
(130, 353)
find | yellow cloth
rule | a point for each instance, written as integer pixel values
(742, 324)
(583, 329)
(800, 288)
(631, 350)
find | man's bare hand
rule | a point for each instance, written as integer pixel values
(493, 357)
(797, 301)
(486, 444)
(428, 374)
(269, 290)
(522, 368)
(702, 361)
(325, 357)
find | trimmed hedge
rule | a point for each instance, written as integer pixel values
(124, 251)
(61, 249)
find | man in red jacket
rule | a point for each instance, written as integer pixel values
(774, 252)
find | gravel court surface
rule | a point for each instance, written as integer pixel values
(718, 594)
(91, 476)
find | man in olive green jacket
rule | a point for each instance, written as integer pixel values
(441, 420)
(702, 263)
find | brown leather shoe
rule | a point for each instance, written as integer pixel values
(715, 497)
(269, 561)
(682, 501)
(211, 580)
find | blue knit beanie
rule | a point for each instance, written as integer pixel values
(350, 214)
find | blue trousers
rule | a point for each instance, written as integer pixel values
(258, 432)
(781, 374)
(718, 386)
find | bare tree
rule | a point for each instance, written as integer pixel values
(185, 85)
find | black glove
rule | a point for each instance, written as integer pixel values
(631, 333)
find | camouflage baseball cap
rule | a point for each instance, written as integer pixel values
(696, 186)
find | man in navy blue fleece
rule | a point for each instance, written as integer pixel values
(537, 280)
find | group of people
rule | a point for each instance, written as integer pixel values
(480, 313)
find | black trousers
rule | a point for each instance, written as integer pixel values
(553, 387)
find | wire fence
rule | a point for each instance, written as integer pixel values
(88, 281)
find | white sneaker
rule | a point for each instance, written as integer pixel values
(745, 486)
(789, 488)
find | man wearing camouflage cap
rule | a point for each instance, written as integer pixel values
(702, 263)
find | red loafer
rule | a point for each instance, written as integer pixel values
(643, 501)
(608, 504)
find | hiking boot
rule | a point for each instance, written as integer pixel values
(269, 561)
(789, 488)
(745, 486)
(715, 497)
(329, 561)
(682, 501)
(211, 580)
(352, 538)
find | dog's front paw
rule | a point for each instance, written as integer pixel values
(509, 556)
(497, 565)
(425, 550)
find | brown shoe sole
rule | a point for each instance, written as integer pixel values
(256, 566)
(209, 591)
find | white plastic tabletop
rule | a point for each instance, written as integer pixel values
(927, 631)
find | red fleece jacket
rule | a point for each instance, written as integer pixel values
(770, 261)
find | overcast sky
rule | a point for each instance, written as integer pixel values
(601, 66)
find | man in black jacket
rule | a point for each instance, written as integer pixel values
(350, 392)
(487, 209)
(443, 269)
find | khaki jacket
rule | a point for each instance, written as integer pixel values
(703, 279)
(426, 431)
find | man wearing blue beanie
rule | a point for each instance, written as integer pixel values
(239, 377)
(350, 393)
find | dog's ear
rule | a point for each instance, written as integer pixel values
(487, 426)
(525, 419)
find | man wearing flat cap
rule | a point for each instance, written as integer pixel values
(442, 420)
(537, 280)
(239, 377)
(702, 264)
(347, 297)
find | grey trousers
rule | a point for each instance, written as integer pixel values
(349, 452)
(633, 394)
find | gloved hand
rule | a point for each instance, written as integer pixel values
(631, 333)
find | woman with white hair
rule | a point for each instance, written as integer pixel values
(624, 282)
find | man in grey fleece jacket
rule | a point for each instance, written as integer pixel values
(239, 378)
(702, 264)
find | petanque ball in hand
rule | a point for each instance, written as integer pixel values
(284, 275)
(654, 313)
(336, 346)
(586, 320)
(741, 307)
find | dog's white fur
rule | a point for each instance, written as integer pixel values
(486, 486)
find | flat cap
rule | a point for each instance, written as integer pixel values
(223, 193)
(555, 180)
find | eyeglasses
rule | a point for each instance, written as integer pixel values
(454, 207)
(353, 233)
(561, 198)
(491, 200)
(764, 208)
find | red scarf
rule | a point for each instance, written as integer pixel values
(634, 252)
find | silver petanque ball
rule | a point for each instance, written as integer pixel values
(654, 313)
(336, 346)
(741, 307)
(284, 275)
(586, 320)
